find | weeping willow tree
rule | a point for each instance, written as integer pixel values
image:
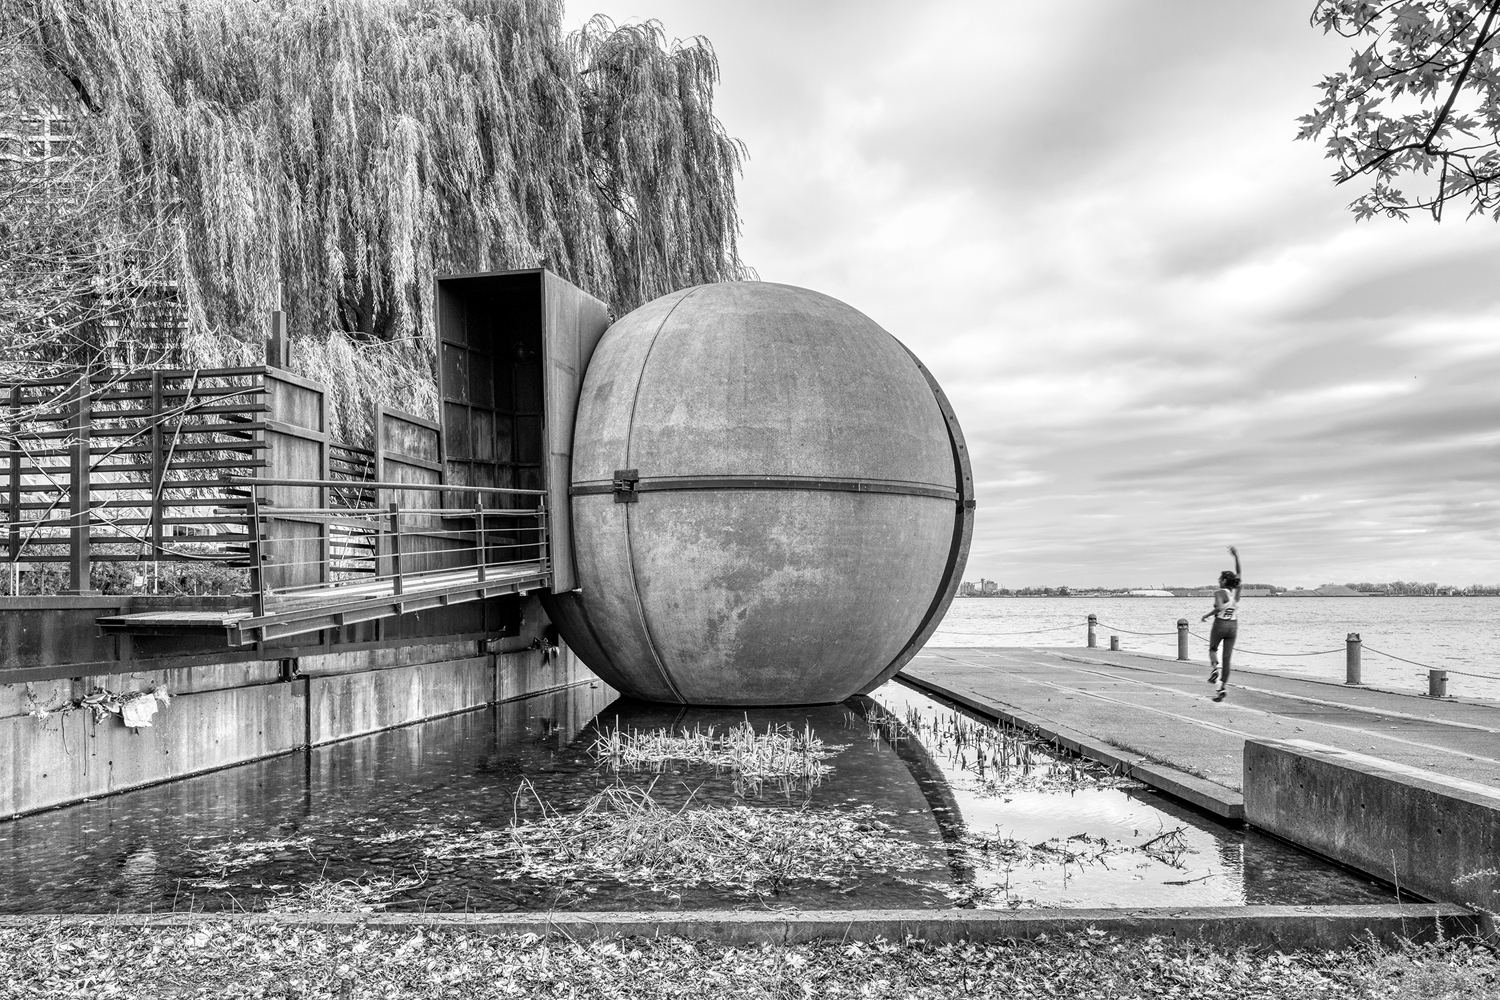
(348, 151)
(75, 256)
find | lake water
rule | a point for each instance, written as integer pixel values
(1451, 633)
(411, 818)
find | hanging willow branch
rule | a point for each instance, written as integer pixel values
(354, 149)
(79, 267)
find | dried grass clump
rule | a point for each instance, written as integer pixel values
(361, 895)
(239, 855)
(624, 835)
(1167, 848)
(1001, 760)
(777, 752)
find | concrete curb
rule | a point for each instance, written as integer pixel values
(1421, 829)
(1279, 927)
(1226, 803)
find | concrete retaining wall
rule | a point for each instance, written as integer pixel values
(1434, 835)
(351, 704)
(64, 758)
(244, 709)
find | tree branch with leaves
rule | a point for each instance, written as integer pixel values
(1417, 112)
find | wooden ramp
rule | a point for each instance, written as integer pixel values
(311, 609)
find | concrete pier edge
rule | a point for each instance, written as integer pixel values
(1082, 657)
(1276, 927)
(1225, 803)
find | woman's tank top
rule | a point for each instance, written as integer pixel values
(1230, 610)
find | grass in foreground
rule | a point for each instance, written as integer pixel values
(223, 960)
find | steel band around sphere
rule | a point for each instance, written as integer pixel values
(668, 483)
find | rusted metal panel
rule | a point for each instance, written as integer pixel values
(574, 322)
(409, 449)
(296, 448)
(409, 438)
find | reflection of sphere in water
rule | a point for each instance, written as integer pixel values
(798, 522)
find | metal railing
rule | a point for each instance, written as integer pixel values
(412, 539)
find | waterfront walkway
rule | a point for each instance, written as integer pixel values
(1156, 715)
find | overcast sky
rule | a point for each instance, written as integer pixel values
(1162, 331)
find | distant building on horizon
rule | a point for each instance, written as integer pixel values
(1210, 591)
(1327, 590)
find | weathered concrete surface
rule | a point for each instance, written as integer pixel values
(406, 655)
(530, 671)
(1161, 710)
(64, 758)
(713, 590)
(223, 714)
(1286, 928)
(347, 704)
(1424, 831)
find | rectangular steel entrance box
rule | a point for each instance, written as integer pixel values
(512, 349)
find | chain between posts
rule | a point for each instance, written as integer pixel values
(1353, 653)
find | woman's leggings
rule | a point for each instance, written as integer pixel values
(1225, 631)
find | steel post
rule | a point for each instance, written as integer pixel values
(398, 583)
(78, 493)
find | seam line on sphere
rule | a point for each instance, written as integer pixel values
(635, 578)
(742, 482)
(963, 525)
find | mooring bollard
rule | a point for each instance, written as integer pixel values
(1093, 620)
(1437, 683)
(1114, 642)
(1182, 638)
(1352, 647)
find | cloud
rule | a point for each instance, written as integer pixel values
(1158, 324)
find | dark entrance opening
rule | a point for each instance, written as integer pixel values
(491, 383)
(512, 349)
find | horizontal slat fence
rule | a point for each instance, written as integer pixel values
(124, 467)
(235, 468)
(128, 467)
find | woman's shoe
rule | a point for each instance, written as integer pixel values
(1213, 678)
(1219, 694)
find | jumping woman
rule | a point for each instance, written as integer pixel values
(1226, 624)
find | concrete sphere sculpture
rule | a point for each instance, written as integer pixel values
(771, 501)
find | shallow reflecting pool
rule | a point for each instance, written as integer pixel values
(569, 801)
